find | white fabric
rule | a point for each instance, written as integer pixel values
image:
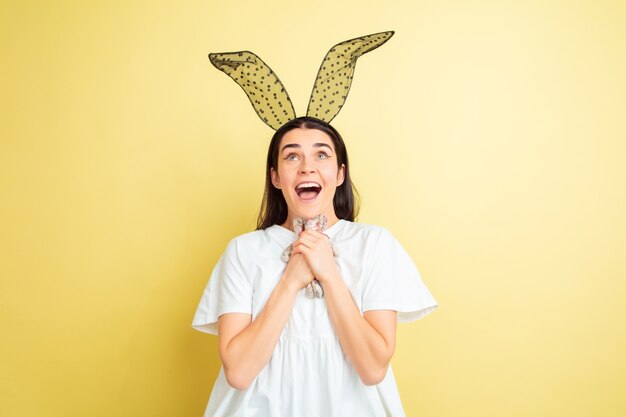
(308, 373)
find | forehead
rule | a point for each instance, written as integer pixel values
(306, 138)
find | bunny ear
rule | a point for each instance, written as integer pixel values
(265, 91)
(334, 77)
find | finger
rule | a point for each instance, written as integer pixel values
(295, 250)
(314, 237)
(304, 251)
(306, 240)
(313, 233)
(321, 236)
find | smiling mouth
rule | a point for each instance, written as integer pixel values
(308, 190)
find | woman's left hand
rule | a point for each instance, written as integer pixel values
(316, 248)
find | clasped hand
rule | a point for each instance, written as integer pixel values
(317, 252)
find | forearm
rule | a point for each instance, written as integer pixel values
(245, 354)
(366, 348)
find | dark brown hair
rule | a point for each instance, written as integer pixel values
(274, 207)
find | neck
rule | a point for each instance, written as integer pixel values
(288, 224)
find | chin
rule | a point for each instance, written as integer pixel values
(310, 212)
(298, 208)
(307, 213)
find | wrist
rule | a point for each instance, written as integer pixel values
(289, 286)
(331, 279)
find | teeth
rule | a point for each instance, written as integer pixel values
(308, 185)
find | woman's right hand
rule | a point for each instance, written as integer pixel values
(298, 274)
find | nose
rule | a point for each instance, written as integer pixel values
(306, 167)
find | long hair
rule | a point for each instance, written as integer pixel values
(274, 207)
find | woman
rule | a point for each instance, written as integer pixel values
(285, 354)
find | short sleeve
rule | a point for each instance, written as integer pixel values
(393, 282)
(228, 291)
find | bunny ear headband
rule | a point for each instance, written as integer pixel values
(268, 95)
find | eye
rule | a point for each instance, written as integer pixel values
(291, 157)
(323, 155)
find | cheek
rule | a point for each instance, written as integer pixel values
(330, 174)
(286, 175)
(284, 171)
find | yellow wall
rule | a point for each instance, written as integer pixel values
(488, 136)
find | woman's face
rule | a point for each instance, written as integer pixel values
(307, 174)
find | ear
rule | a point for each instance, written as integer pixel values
(341, 175)
(275, 179)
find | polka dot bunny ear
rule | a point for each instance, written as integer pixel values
(262, 86)
(334, 77)
(268, 94)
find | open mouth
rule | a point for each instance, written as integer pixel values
(308, 190)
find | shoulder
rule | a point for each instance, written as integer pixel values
(248, 238)
(247, 241)
(367, 237)
(366, 231)
(258, 243)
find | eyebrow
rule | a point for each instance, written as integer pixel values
(315, 145)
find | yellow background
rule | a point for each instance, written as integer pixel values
(488, 136)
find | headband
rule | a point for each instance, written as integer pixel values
(268, 94)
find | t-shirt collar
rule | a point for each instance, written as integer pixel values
(283, 232)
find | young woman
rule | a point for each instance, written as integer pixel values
(286, 354)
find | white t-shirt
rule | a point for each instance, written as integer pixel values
(308, 373)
